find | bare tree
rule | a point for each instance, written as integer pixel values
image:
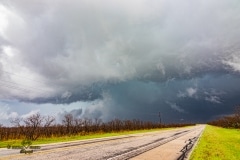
(96, 125)
(78, 125)
(33, 125)
(30, 126)
(17, 123)
(232, 121)
(237, 117)
(237, 111)
(48, 121)
(68, 123)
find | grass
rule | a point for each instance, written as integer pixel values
(3, 144)
(218, 144)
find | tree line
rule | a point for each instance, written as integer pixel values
(232, 121)
(38, 126)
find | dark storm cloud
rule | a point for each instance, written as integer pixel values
(200, 100)
(123, 56)
(73, 94)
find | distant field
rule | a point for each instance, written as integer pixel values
(4, 144)
(218, 144)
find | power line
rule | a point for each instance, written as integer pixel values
(160, 119)
(24, 88)
(14, 87)
(23, 77)
(30, 79)
(19, 88)
(17, 85)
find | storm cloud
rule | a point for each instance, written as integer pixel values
(124, 59)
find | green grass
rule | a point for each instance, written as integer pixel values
(3, 144)
(218, 144)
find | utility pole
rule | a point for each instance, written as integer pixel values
(159, 115)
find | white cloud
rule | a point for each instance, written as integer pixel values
(66, 95)
(100, 108)
(181, 94)
(233, 62)
(214, 96)
(7, 114)
(175, 107)
(30, 113)
(213, 99)
(161, 68)
(3, 19)
(189, 92)
(214, 92)
(8, 18)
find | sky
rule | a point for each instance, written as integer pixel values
(120, 59)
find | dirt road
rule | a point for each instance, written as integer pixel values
(153, 145)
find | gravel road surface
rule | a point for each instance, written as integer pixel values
(136, 146)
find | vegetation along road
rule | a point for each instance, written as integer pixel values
(174, 143)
